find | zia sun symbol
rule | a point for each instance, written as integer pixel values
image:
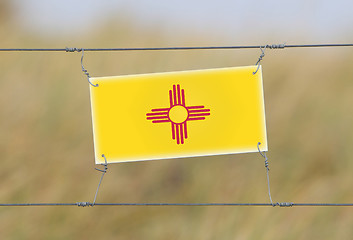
(178, 114)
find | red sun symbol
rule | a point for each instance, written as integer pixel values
(178, 114)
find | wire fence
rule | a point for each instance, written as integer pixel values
(262, 47)
(89, 204)
(272, 46)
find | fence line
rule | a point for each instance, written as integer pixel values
(88, 204)
(271, 46)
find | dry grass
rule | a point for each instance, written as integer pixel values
(47, 149)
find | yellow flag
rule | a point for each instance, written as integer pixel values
(178, 114)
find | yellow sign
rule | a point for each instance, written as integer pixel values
(178, 114)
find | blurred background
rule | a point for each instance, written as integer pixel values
(45, 123)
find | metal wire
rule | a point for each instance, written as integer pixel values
(88, 204)
(259, 61)
(273, 46)
(263, 154)
(35, 204)
(103, 172)
(82, 67)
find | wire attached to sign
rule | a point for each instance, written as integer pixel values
(67, 49)
(263, 154)
(89, 204)
(260, 59)
(273, 46)
(85, 71)
(103, 172)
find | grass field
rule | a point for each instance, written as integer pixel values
(47, 147)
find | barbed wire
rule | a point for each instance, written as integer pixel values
(272, 46)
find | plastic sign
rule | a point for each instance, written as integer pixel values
(178, 114)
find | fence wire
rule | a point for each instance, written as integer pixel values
(89, 204)
(271, 46)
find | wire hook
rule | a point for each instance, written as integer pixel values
(104, 164)
(260, 59)
(85, 71)
(263, 154)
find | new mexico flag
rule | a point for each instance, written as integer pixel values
(178, 114)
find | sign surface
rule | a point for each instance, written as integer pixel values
(178, 114)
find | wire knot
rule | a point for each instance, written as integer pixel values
(263, 154)
(105, 164)
(84, 204)
(276, 46)
(263, 48)
(267, 164)
(283, 204)
(67, 49)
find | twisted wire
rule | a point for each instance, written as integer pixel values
(82, 67)
(103, 172)
(263, 154)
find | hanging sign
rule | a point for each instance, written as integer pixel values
(178, 114)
